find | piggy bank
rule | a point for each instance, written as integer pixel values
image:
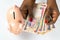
(14, 18)
(17, 24)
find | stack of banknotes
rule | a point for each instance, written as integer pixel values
(38, 24)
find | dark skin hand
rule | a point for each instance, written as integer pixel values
(27, 8)
(52, 11)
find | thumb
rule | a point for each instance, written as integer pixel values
(48, 15)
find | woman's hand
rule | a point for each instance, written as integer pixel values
(27, 8)
(51, 12)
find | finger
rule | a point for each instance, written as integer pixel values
(35, 4)
(47, 12)
(30, 11)
(23, 10)
(55, 15)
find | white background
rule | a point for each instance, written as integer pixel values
(6, 35)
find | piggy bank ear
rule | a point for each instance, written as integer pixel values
(15, 20)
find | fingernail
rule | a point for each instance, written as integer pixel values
(30, 19)
(46, 21)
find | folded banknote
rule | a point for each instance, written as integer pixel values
(38, 24)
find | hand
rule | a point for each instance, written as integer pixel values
(15, 20)
(51, 12)
(27, 8)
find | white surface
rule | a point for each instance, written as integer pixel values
(6, 35)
